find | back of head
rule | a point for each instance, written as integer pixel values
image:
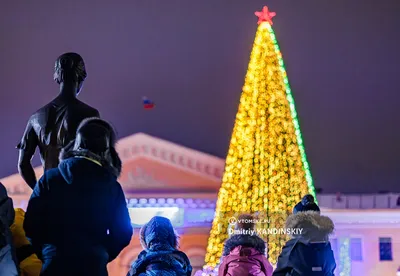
(245, 222)
(159, 233)
(306, 204)
(69, 68)
(95, 138)
(95, 135)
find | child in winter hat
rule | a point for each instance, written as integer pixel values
(245, 253)
(160, 255)
(308, 252)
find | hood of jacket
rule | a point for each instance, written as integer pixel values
(85, 168)
(240, 241)
(111, 162)
(313, 227)
(158, 234)
(68, 168)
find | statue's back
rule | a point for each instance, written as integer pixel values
(55, 126)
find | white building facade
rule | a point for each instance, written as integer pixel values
(367, 236)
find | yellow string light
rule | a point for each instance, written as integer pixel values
(266, 169)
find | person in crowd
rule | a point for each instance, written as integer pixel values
(308, 252)
(160, 256)
(245, 253)
(28, 261)
(78, 211)
(53, 126)
(8, 261)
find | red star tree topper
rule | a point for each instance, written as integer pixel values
(265, 15)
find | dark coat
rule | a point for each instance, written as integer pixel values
(160, 256)
(7, 264)
(78, 213)
(308, 253)
(7, 213)
(8, 260)
(244, 255)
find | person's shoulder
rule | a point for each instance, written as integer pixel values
(182, 255)
(184, 259)
(292, 247)
(292, 242)
(117, 187)
(54, 172)
(50, 177)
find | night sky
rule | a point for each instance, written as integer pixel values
(191, 57)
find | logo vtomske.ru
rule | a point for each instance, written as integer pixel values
(233, 221)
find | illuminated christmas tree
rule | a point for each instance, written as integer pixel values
(266, 171)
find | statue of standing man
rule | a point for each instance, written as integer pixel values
(53, 126)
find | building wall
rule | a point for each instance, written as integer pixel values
(371, 264)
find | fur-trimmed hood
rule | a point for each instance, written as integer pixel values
(315, 228)
(252, 241)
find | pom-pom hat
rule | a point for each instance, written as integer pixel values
(306, 204)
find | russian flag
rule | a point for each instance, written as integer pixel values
(148, 104)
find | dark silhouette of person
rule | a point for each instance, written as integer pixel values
(53, 126)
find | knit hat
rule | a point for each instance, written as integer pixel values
(306, 204)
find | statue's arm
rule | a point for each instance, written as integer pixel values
(27, 148)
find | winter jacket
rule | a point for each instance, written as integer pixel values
(7, 264)
(244, 255)
(8, 261)
(78, 213)
(160, 256)
(307, 253)
(29, 263)
(7, 213)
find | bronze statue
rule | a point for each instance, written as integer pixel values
(53, 126)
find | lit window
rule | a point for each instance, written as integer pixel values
(385, 249)
(356, 249)
(141, 215)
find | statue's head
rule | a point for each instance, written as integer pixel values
(70, 69)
